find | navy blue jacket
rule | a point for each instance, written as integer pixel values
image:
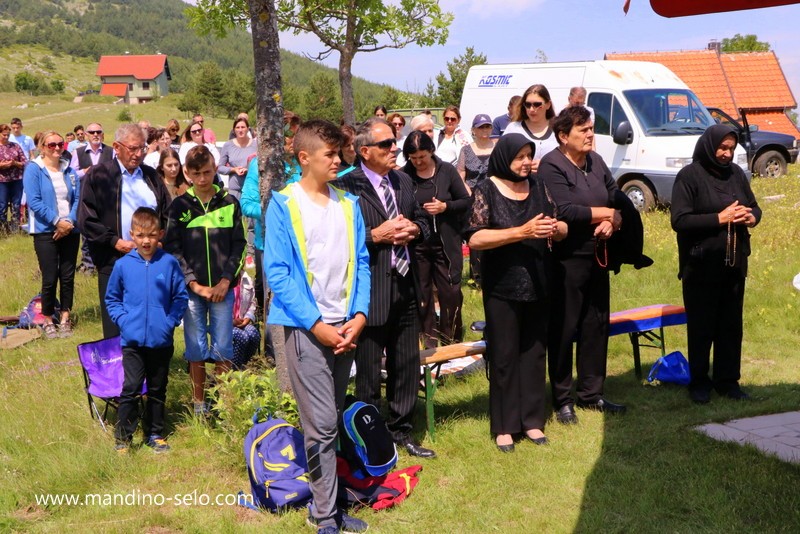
(146, 299)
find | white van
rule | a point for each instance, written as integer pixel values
(647, 121)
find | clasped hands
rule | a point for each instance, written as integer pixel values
(63, 228)
(435, 206)
(214, 293)
(342, 339)
(540, 227)
(737, 214)
(607, 227)
(397, 231)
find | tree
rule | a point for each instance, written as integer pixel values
(343, 26)
(451, 86)
(320, 101)
(744, 43)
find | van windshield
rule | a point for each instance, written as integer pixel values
(669, 111)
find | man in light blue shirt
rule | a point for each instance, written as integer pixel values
(24, 141)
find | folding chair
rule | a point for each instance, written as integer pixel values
(103, 375)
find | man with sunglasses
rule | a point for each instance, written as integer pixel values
(208, 134)
(110, 192)
(394, 221)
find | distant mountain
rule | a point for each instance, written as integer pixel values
(91, 28)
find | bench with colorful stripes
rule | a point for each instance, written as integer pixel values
(646, 323)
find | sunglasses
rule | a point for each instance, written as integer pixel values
(398, 124)
(450, 119)
(537, 105)
(94, 132)
(195, 131)
(386, 144)
(53, 146)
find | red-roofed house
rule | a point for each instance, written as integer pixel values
(136, 79)
(730, 81)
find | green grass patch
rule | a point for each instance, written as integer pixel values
(645, 472)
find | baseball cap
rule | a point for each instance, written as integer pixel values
(481, 119)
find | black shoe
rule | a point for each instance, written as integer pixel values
(506, 448)
(737, 394)
(538, 441)
(416, 450)
(604, 406)
(566, 415)
(700, 396)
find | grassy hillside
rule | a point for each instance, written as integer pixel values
(64, 38)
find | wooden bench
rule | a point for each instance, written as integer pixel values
(431, 361)
(646, 323)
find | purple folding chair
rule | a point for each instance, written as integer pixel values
(103, 375)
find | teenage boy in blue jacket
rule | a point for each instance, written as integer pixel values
(317, 266)
(146, 298)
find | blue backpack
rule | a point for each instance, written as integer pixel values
(368, 446)
(276, 465)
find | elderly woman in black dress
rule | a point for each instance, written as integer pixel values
(582, 187)
(712, 209)
(442, 194)
(512, 222)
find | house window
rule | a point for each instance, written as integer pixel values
(130, 87)
(146, 86)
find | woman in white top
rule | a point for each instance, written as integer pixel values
(235, 156)
(52, 187)
(193, 136)
(451, 138)
(532, 119)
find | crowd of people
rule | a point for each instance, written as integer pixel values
(362, 252)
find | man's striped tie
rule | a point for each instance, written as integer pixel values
(400, 253)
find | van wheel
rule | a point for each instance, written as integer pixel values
(640, 194)
(770, 164)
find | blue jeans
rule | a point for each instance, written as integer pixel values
(10, 193)
(203, 318)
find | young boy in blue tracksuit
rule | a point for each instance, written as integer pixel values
(317, 266)
(146, 298)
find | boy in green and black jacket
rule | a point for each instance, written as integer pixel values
(205, 233)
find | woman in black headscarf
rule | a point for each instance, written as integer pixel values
(512, 221)
(712, 209)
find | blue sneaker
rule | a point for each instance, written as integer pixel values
(157, 443)
(345, 524)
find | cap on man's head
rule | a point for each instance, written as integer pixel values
(481, 119)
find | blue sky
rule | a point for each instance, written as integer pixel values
(511, 31)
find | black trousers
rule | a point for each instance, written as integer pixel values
(433, 270)
(399, 336)
(57, 259)
(714, 307)
(140, 363)
(580, 310)
(109, 328)
(516, 337)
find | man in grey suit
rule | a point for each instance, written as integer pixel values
(393, 221)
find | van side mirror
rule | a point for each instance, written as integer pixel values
(623, 135)
(753, 127)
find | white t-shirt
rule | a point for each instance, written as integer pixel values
(151, 160)
(328, 254)
(543, 145)
(60, 188)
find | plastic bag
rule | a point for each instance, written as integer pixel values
(672, 368)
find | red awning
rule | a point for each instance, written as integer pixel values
(684, 8)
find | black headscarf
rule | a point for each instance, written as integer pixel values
(705, 151)
(504, 153)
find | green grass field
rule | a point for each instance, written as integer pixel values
(645, 472)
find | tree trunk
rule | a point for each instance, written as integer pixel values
(346, 86)
(269, 124)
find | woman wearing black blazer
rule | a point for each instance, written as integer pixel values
(712, 209)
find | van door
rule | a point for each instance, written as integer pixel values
(608, 114)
